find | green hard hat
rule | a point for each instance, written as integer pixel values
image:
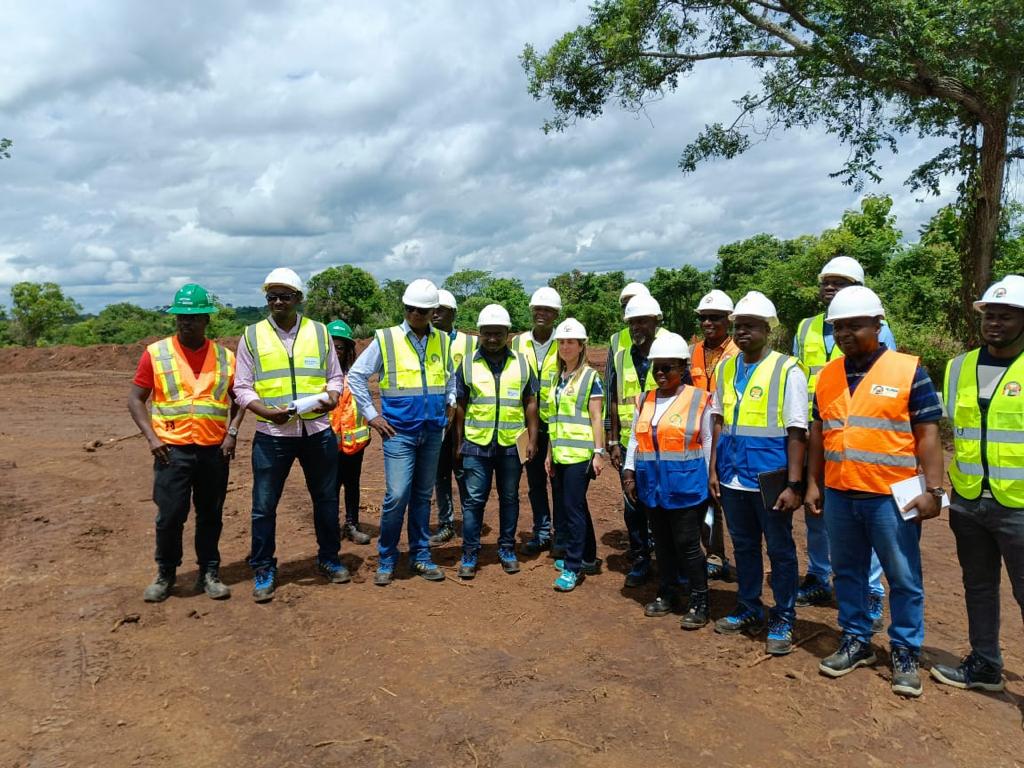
(340, 329)
(192, 299)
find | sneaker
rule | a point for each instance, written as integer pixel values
(721, 572)
(813, 592)
(591, 569)
(507, 556)
(780, 637)
(906, 679)
(385, 573)
(263, 584)
(567, 581)
(973, 673)
(444, 534)
(876, 612)
(161, 587)
(697, 614)
(333, 571)
(210, 583)
(742, 619)
(427, 570)
(852, 653)
(661, 606)
(467, 567)
(535, 546)
(639, 573)
(351, 532)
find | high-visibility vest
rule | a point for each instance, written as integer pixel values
(701, 377)
(349, 425)
(189, 409)
(412, 394)
(572, 435)
(627, 382)
(489, 406)
(279, 378)
(463, 347)
(996, 433)
(753, 437)
(869, 442)
(670, 468)
(548, 368)
(812, 352)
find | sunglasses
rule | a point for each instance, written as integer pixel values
(285, 297)
(664, 367)
(714, 318)
(418, 310)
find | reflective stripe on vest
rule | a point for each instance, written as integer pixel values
(349, 425)
(488, 406)
(189, 409)
(810, 346)
(670, 468)
(463, 347)
(524, 344)
(996, 433)
(699, 375)
(627, 382)
(279, 378)
(412, 394)
(572, 434)
(868, 440)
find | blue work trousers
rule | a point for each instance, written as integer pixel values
(410, 469)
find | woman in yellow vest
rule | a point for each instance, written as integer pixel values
(984, 396)
(353, 435)
(666, 469)
(576, 451)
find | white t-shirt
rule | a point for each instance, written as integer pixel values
(661, 404)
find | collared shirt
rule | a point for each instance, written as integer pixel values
(884, 337)
(245, 391)
(371, 363)
(530, 389)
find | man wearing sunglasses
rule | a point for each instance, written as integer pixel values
(417, 396)
(279, 360)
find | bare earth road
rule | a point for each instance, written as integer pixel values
(502, 671)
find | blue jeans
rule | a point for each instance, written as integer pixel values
(478, 473)
(272, 459)
(580, 541)
(749, 522)
(443, 485)
(854, 527)
(819, 563)
(537, 481)
(410, 468)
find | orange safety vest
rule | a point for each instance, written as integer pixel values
(701, 377)
(869, 442)
(670, 468)
(190, 410)
(349, 425)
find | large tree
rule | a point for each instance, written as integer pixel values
(40, 312)
(866, 71)
(346, 292)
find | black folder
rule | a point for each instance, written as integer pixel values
(772, 484)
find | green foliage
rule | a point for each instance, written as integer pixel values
(121, 323)
(346, 292)
(678, 291)
(6, 339)
(466, 283)
(249, 315)
(5, 147)
(40, 312)
(593, 299)
(224, 323)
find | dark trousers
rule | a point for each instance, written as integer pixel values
(637, 527)
(677, 545)
(272, 459)
(196, 474)
(479, 470)
(580, 541)
(537, 481)
(350, 471)
(443, 484)
(986, 533)
(713, 538)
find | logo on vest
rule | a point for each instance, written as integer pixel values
(884, 391)
(676, 419)
(1012, 389)
(458, 359)
(311, 362)
(435, 358)
(511, 392)
(755, 393)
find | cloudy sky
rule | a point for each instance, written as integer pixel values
(161, 143)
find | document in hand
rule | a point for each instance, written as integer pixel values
(522, 443)
(307, 404)
(772, 484)
(905, 490)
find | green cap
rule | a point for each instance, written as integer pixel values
(192, 299)
(340, 329)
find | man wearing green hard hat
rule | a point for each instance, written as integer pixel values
(191, 429)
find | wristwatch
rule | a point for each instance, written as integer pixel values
(936, 492)
(796, 485)
(599, 451)
(233, 431)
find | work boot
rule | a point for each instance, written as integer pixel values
(351, 532)
(876, 612)
(722, 571)
(852, 653)
(661, 606)
(906, 680)
(535, 546)
(467, 567)
(973, 672)
(333, 571)
(210, 583)
(444, 534)
(813, 592)
(780, 637)
(509, 563)
(264, 583)
(639, 573)
(742, 619)
(161, 587)
(697, 614)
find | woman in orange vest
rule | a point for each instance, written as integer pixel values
(353, 435)
(666, 469)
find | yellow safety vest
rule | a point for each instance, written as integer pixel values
(523, 343)
(488, 406)
(812, 352)
(463, 346)
(279, 378)
(572, 434)
(627, 381)
(413, 393)
(996, 434)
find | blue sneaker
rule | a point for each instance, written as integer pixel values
(639, 573)
(876, 613)
(590, 569)
(742, 619)
(427, 569)
(813, 592)
(263, 584)
(567, 581)
(780, 637)
(507, 556)
(333, 571)
(467, 568)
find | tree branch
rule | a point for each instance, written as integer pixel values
(768, 53)
(766, 25)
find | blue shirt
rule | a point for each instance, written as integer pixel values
(884, 337)
(530, 388)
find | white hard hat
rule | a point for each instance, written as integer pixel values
(494, 314)
(643, 305)
(1008, 292)
(634, 289)
(283, 276)
(546, 297)
(843, 266)
(855, 301)
(420, 293)
(571, 328)
(670, 346)
(716, 301)
(446, 299)
(756, 304)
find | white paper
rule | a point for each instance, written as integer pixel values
(906, 490)
(709, 517)
(307, 404)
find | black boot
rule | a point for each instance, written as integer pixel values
(697, 615)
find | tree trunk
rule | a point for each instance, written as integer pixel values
(982, 225)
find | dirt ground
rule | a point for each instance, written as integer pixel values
(502, 671)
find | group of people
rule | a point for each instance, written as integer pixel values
(726, 433)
